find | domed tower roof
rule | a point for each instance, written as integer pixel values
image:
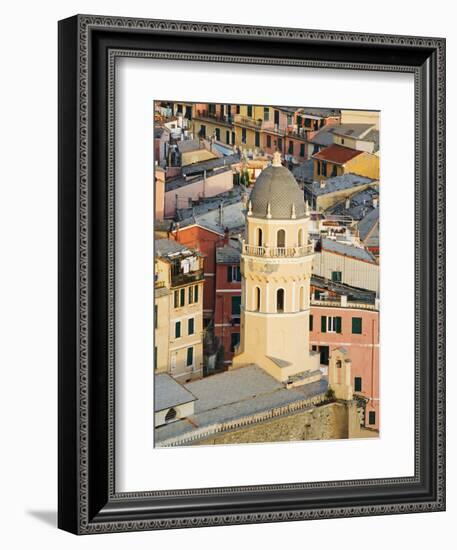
(276, 194)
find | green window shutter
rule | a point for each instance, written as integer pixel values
(155, 316)
(238, 273)
(357, 383)
(190, 356)
(229, 274)
(178, 329)
(196, 293)
(323, 323)
(372, 417)
(310, 322)
(338, 324)
(190, 326)
(357, 325)
(183, 297)
(236, 303)
(190, 291)
(176, 298)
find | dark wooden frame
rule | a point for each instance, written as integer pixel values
(88, 46)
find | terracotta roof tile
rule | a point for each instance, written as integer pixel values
(337, 154)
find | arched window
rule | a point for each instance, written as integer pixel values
(300, 237)
(280, 300)
(302, 298)
(257, 299)
(281, 239)
(259, 237)
(171, 415)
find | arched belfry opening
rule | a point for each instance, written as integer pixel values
(281, 238)
(280, 300)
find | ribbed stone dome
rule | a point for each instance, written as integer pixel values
(277, 186)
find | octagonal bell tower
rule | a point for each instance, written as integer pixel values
(276, 270)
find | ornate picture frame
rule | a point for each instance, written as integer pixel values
(88, 48)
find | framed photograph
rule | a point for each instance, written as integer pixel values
(251, 274)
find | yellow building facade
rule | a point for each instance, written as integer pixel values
(178, 343)
(276, 268)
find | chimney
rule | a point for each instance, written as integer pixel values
(322, 184)
(221, 214)
(348, 203)
(226, 236)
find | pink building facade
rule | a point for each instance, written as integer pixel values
(179, 193)
(354, 326)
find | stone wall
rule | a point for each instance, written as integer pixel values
(330, 421)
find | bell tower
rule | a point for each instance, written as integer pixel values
(276, 265)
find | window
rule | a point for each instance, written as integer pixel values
(190, 326)
(218, 134)
(338, 364)
(202, 131)
(291, 147)
(171, 415)
(372, 417)
(266, 114)
(190, 357)
(302, 149)
(357, 325)
(330, 324)
(243, 135)
(257, 299)
(233, 273)
(182, 297)
(236, 305)
(337, 276)
(238, 109)
(302, 298)
(176, 298)
(155, 357)
(334, 171)
(250, 110)
(268, 141)
(342, 141)
(188, 114)
(281, 239)
(227, 137)
(318, 166)
(191, 294)
(324, 168)
(280, 144)
(155, 316)
(357, 383)
(300, 237)
(234, 340)
(280, 300)
(259, 237)
(179, 109)
(276, 115)
(310, 323)
(233, 138)
(257, 139)
(196, 294)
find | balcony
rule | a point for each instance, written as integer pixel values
(248, 121)
(278, 251)
(180, 279)
(213, 117)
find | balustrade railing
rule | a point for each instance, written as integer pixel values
(277, 251)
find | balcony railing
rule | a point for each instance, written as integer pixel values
(213, 117)
(248, 121)
(278, 251)
(338, 302)
(185, 278)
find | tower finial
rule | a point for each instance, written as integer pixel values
(268, 211)
(250, 208)
(293, 213)
(276, 159)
